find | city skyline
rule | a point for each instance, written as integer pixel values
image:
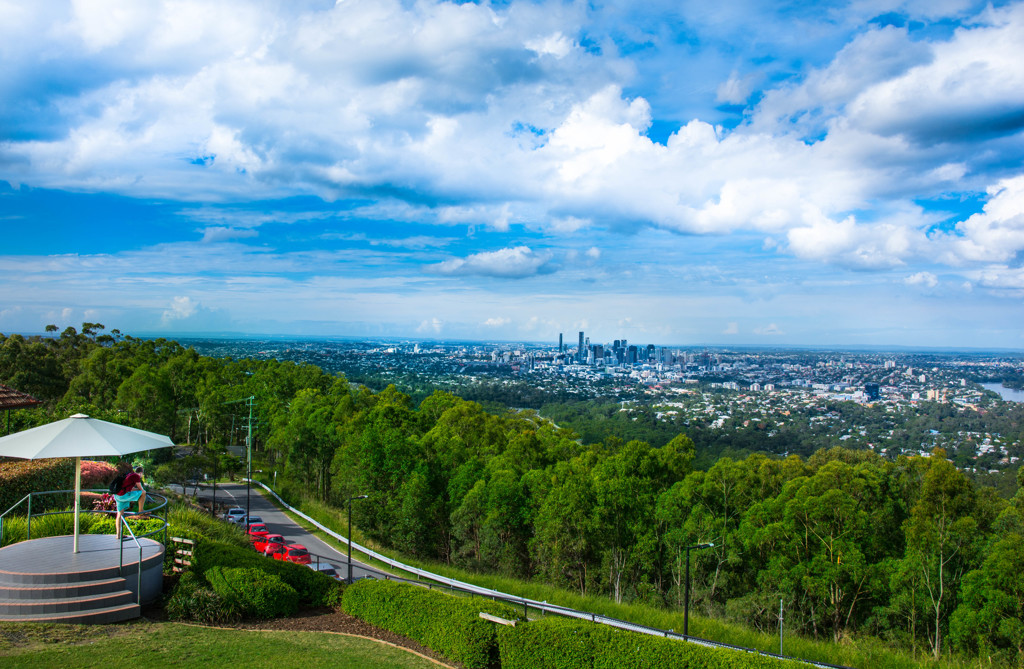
(846, 174)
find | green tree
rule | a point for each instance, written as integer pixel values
(940, 534)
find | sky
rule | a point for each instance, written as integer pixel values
(668, 172)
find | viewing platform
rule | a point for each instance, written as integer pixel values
(42, 580)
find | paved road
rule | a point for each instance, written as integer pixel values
(233, 494)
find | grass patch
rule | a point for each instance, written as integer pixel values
(158, 645)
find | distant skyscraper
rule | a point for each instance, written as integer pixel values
(560, 348)
(579, 350)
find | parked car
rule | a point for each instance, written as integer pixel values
(251, 520)
(296, 553)
(325, 568)
(270, 544)
(256, 531)
(234, 515)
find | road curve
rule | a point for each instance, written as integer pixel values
(233, 494)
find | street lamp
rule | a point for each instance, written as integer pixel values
(686, 609)
(350, 534)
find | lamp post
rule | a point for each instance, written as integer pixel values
(350, 535)
(686, 606)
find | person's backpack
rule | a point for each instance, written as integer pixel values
(115, 485)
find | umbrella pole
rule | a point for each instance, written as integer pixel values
(78, 493)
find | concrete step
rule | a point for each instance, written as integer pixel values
(64, 604)
(111, 614)
(53, 590)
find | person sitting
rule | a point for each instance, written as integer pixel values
(131, 490)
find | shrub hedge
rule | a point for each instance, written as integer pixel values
(191, 600)
(314, 589)
(256, 593)
(561, 643)
(447, 624)
(20, 477)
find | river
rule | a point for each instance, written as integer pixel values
(1008, 394)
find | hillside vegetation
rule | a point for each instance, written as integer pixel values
(909, 549)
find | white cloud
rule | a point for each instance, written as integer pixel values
(736, 90)
(497, 322)
(181, 308)
(997, 234)
(971, 86)
(508, 263)
(847, 243)
(771, 330)
(221, 234)
(433, 325)
(556, 44)
(731, 329)
(922, 279)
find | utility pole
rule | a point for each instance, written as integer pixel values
(248, 452)
(251, 401)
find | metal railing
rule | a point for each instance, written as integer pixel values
(120, 566)
(469, 588)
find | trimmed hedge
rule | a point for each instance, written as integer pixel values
(562, 643)
(257, 593)
(192, 601)
(314, 589)
(20, 477)
(447, 624)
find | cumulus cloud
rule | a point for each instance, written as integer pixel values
(181, 308)
(972, 86)
(922, 279)
(846, 242)
(431, 326)
(497, 322)
(997, 233)
(770, 330)
(731, 329)
(509, 263)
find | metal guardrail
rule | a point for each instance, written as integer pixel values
(469, 588)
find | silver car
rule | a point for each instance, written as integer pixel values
(234, 515)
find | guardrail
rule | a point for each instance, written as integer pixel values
(526, 603)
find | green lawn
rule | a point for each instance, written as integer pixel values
(160, 645)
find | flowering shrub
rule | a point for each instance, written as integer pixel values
(97, 474)
(105, 502)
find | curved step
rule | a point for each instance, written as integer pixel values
(29, 607)
(112, 614)
(52, 590)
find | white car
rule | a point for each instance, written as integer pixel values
(325, 568)
(234, 515)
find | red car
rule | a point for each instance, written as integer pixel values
(270, 544)
(296, 553)
(256, 531)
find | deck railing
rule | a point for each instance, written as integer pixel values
(151, 512)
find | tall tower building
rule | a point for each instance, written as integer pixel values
(579, 350)
(560, 345)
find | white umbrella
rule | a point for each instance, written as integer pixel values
(76, 437)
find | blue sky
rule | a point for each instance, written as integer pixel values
(740, 172)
